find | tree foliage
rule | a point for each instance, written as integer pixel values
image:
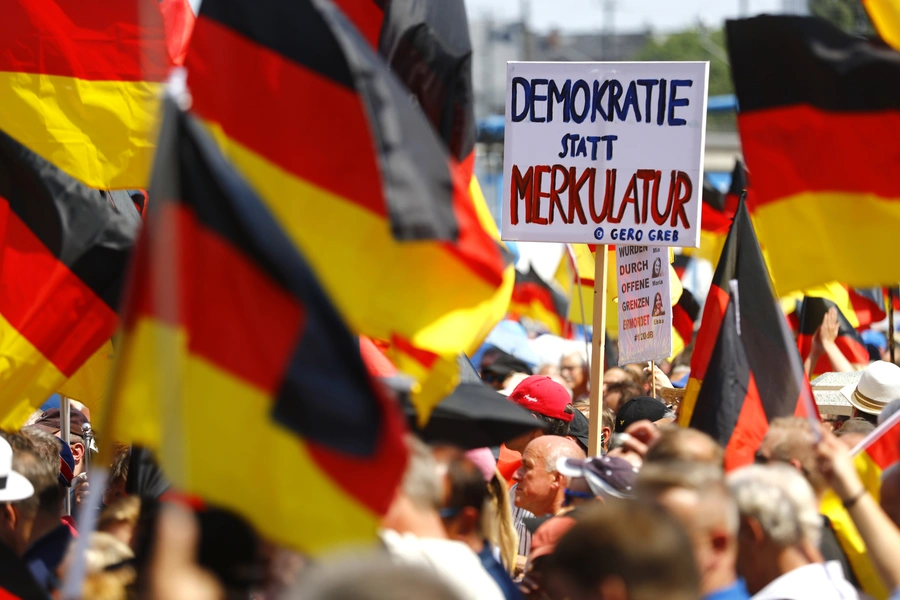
(849, 15)
(698, 44)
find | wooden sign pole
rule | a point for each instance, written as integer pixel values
(601, 259)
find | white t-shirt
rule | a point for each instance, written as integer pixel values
(452, 561)
(816, 581)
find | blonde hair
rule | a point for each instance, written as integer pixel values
(497, 522)
(106, 551)
(123, 510)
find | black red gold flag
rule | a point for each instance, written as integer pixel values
(313, 118)
(536, 299)
(819, 119)
(228, 336)
(745, 369)
(685, 313)
(80, 83)
(63, 255)
(868, 304)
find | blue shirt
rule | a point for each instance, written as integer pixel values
(499, 574)
(736, 591)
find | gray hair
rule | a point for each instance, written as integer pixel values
(421, 482)
(781, 500)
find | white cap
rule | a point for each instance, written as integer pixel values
(13, 486)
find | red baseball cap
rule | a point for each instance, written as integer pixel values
(544, 396)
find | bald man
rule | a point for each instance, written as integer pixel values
(540, 487)
(890, 493)
(697, 496)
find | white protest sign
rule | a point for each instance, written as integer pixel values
(645, 306)
(604, 153)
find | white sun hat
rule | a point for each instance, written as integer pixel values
(878, 385)
(13, 486)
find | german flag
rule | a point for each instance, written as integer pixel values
(745, 370)
(534, 298)
(882, 446)
(79, 85)
(685, 313)
(812, 311)
(819, 119)
(868, 305)
(327, 136)
(427, 46)
(228, 336)
(63, 255)
(885, 15)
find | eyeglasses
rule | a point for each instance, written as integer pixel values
(570, 495)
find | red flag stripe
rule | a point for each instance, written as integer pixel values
(817, 167)
(244, 304)
(340, 161)
(94, 40)
(66, 325)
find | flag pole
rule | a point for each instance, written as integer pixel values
(597, 356)
(65, 416)
(890, 312)
(652, 379)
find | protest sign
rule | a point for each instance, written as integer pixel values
(604, 153)
(645, 306)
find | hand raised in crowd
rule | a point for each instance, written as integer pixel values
(829, 329)
(823, 342)
(836, 465)
(881, 536)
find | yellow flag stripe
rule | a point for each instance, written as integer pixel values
(813, 238)
(102, 133)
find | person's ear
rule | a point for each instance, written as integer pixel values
(796, 464)
(77, 451)
(9, 516)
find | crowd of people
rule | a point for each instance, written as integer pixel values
(654, 515)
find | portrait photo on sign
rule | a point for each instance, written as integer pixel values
(657, 268)
(658, 308)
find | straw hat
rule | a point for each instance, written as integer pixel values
(878, 385)
(13, 486)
